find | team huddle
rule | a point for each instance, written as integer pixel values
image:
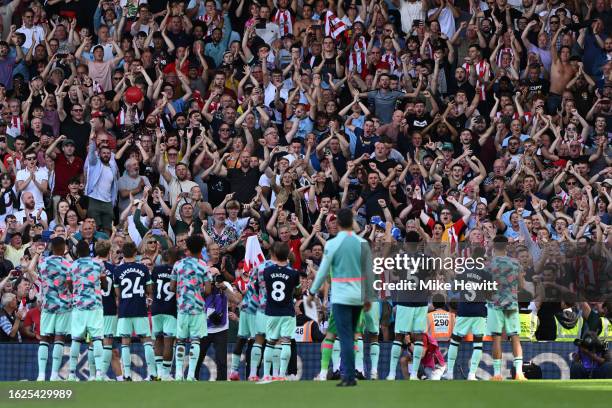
(95, 302)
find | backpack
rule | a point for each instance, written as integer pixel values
(530, 370)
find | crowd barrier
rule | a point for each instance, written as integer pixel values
(19, 361)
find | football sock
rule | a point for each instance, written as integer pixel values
(91, 362)
(268, 358)
(476, 356)
(240, 342)
(180, 358)
(126, 359)
(98, 355)
(75, 348)
(159, 365)
(194, 354)
(58, 353)
(285, 355)
(396, 351)
(276, 361)
(326, 352)
(451, 356)
(150, 358)
(235, 362)
(255, 359)
(374, 355)
(497, 363)
(166, 367)
(359, 355)
(417, 354)
(43, 357)
(335, 357)
(108, 356)
(518, 365)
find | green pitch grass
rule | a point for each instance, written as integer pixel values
(310, 394)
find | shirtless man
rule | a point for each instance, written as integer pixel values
(305, 22)
(561, 73)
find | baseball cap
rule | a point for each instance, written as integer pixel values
(67, 142)
(608, 182)
(556, 197)
(96, 47)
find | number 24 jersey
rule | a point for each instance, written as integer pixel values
(131, 279)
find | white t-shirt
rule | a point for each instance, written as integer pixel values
(446, 20)
(41, 175)
(21, 216)
(39, 35)
(239, 225)
(270, 33)
(270, 94)
(410, 12)
(264, 181)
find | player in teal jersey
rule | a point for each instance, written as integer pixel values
(246, 328)
(258, 301)
(502, 308)
(191, 282)
(87, 279)
(53, 272)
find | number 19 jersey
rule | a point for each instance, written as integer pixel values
(164, 300)
(281, 282)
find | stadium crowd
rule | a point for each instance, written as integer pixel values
(134, 122)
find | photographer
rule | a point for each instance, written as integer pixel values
(218, 323)
(592, 360)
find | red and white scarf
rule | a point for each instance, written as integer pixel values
(391, 59)
(211, 22)
(16, 126)
(357, 57)
(333, 25)
(482, 68)
(284, 21)
(121, 117)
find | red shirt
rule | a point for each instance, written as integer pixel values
(65, 171)
(33, 319)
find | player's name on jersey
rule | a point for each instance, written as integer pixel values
(131, 270)
(435, 285)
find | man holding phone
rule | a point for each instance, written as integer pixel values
(266, 30)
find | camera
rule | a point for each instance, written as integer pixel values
(590, 342)
(219, 279)
(216, 318)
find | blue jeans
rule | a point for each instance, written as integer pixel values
(346, 318)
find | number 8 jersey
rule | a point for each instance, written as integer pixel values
(281, 282)
(131, 278)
